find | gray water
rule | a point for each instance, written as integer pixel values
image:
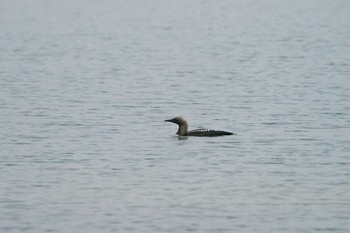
(85, 87)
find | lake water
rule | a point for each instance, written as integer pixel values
(85, 87)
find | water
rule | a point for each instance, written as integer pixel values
(85, 87)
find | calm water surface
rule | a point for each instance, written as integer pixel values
(85, 87)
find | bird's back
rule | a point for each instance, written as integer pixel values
(207, 133)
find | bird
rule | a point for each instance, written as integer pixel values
(183, 129)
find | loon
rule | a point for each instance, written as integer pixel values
(183, 129)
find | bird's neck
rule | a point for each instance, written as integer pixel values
(183, 129)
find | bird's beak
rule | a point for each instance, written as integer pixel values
(170, 120)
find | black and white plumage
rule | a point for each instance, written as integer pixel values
(183, 129)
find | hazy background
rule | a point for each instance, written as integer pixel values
(85, 87)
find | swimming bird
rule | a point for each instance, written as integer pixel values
(183, 129)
